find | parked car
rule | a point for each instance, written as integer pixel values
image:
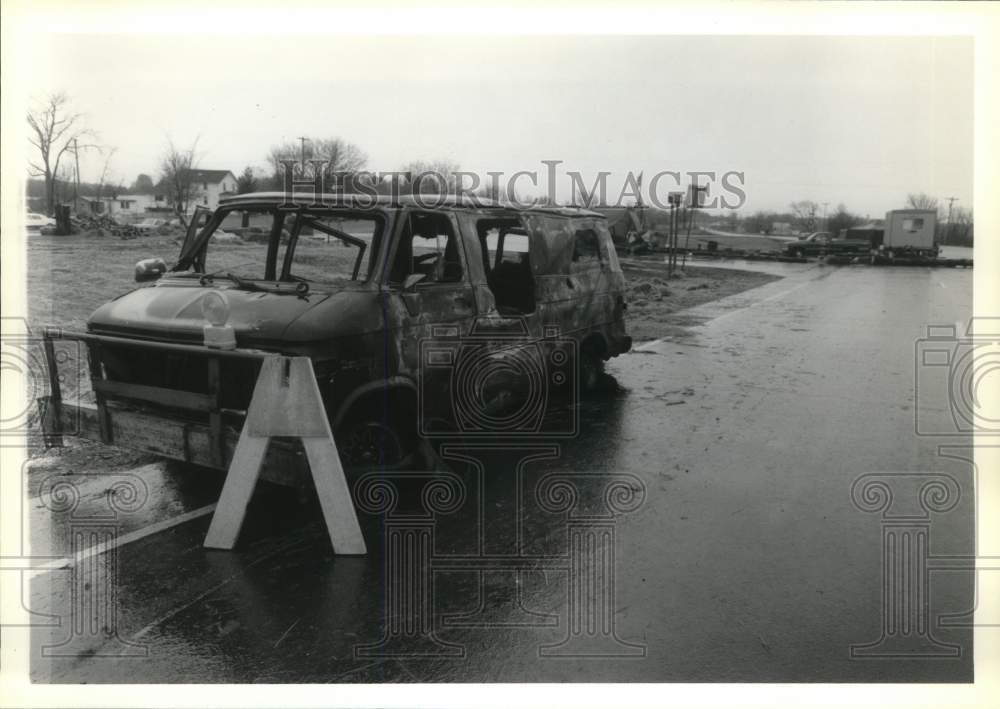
(465, 317)
(150, 224)
(33, 221)
(822, 243)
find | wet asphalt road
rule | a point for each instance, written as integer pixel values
(717, 465)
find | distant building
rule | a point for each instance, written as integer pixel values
(207, 187)
(128, 205)
(84, 206)
(210, 185)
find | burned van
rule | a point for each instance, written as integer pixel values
(422, 316)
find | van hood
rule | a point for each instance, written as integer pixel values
(172, 311)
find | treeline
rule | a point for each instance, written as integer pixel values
(35, 189)
(955, 225)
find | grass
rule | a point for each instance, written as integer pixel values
(70, 276)
(655, 301)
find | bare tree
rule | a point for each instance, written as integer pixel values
(841, 219)
(921, 201)
(340, 157)
(55, 129)
(806, 213)
(960, 228)
(432, 176)
(759, 222)
(176, 167)
(108, 153)
(60, 183)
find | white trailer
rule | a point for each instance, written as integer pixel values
(910, 231)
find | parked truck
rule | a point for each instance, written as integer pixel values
(822, 243)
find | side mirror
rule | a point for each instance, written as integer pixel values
(412, 280)
(149, 269)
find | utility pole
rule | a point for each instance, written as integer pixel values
(639, 206)
(695, 202)
(951, 201)
(825, 224)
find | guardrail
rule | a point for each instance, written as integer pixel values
(108, 392)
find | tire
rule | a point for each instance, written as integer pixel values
(376, 438)
(591, 368)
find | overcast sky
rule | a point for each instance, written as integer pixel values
(861, 121)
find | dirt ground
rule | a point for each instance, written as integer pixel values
(654, 300)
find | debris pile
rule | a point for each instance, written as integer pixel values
(642, 290)
(99, 225)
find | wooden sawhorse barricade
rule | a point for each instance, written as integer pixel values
(286, 402)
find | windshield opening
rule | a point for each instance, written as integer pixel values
(320, 247)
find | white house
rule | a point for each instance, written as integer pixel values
(207, 186)
(210, 185)
(128, 205)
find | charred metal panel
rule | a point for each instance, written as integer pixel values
(551, 239)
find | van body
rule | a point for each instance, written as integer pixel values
(376, 291)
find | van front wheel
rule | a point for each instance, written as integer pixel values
(377, 439)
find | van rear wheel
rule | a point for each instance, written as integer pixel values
(591, 367)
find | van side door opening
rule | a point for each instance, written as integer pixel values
(505, 246)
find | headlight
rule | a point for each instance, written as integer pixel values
(215, 308)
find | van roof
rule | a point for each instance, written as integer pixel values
(424, 201)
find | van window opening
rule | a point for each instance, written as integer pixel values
(320, 247)
(506, 249)
(427, 246)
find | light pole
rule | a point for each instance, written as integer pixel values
(825, 223)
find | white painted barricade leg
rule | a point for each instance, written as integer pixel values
(286, 402)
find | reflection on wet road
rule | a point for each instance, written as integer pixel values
(700, 527)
